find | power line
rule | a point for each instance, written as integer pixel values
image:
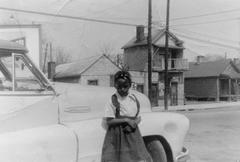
(64, 5)
(206, 14)
(206, 35)
(209, 42)
(206, 22)
(69, 17)
(193, 51)
(111, 16)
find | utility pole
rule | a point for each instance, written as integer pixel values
(239, 33)
(150, 50)
(50, 46)
(166, 89)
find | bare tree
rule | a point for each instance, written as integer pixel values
(61, 56)
(119, 61)
(107, 49)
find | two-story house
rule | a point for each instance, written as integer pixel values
(136, 59)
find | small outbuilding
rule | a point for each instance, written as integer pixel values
(213, 80)
(95, 70)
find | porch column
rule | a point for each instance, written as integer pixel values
(218, 90)
(229, 89)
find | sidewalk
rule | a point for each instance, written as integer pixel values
(199, 106)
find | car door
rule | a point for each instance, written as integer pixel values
(24, 100)
(90, 135)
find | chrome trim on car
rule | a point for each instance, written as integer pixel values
(26, 93)
(183, 156)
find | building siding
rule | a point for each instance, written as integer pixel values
(101, 71)
(136, 58)
(201, 88)
(74, 79)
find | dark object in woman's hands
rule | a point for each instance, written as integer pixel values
(130, 126)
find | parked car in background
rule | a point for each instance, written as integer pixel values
(58, 122)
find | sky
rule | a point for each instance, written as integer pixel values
(208, 27)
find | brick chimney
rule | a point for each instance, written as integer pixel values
(140, 33)
(236, 61)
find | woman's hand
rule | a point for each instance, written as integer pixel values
(131, 122)
(138, 119)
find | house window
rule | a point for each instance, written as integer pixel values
(158, 61)
(93, 82)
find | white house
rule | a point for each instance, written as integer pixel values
(96, 70)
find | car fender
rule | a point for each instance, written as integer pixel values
(172, 127)
(29, 112)
(55, 143)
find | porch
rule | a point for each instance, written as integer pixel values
(173, 64)
(229, 89)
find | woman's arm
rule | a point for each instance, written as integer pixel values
(138, 119)
(115, 121)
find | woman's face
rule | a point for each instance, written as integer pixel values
(122, 87)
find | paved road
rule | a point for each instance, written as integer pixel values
(214, 135)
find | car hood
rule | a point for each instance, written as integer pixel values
(61, 87)
(78, 102)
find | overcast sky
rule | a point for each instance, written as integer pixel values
(193, 21)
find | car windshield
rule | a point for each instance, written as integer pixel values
(16, 69)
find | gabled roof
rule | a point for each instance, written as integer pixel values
(78, 67)
(158, 39)
(211, 69)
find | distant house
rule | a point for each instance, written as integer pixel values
(136, 59)
(96, 70)
(214, 80)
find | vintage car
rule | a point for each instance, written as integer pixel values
(42, 121)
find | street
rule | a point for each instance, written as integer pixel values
(214, 135)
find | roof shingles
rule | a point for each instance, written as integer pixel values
(210, 69)
(75, 68)
(156, 36)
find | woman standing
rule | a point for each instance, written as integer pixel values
(123, 141)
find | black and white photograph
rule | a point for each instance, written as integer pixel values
(119, 81)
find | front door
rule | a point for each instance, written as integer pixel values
(24, 101)
(174, 93)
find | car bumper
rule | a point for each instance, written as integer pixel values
(183, 156)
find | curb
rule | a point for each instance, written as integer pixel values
(192, 107)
